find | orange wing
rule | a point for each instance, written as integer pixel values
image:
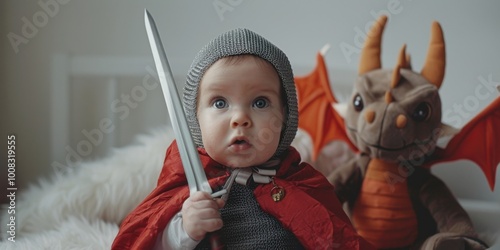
(316, 114)
(478, 141)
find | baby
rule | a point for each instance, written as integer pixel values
(241, 105)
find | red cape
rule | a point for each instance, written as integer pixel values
(309, 209)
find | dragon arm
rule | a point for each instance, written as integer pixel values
(454, 226)
(347, 179)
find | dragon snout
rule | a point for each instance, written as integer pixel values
(400, 121)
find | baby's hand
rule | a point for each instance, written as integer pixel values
(200, 215)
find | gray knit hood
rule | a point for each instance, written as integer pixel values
(240, 42)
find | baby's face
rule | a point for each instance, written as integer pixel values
(240, 111)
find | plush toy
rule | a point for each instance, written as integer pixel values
(393, 122)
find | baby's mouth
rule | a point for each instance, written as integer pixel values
(240, 143)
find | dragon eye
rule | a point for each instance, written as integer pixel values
(358, 103)
(422, 112)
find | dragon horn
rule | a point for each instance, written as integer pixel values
(408, 61)
(435, 62)
(396, 74)
(370, 55)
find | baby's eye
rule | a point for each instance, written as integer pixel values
(260, 103)
(219, 103)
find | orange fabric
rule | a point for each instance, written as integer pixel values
(316, 114)
(385, 212)
(382, 207)
(370, 55)
(435, 62)
(478, 141)
(310, 209)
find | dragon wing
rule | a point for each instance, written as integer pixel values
(316, 115)
(478, 141)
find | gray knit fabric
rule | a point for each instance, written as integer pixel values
(240, 42)
(246, 226)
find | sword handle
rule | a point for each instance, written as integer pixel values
(216, 242)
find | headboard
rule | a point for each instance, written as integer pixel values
(101, 102)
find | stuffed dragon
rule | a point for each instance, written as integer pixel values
(393, 122)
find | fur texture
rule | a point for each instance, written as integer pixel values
(82, 207)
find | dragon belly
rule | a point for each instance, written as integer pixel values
(383, 213)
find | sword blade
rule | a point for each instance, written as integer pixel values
(195, 175)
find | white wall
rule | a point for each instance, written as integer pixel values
(300, 28)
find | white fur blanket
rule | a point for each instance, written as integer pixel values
(83, 208)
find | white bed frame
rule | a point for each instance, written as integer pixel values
(64, 67)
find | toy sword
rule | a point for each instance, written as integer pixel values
(195, 175)
(196, 178)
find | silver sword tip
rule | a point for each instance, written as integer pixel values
(148, 17)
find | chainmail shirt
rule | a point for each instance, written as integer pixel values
(246, 226)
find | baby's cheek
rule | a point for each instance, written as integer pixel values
(275, 124)
(206, 137)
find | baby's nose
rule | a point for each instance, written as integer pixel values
(241, 118)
